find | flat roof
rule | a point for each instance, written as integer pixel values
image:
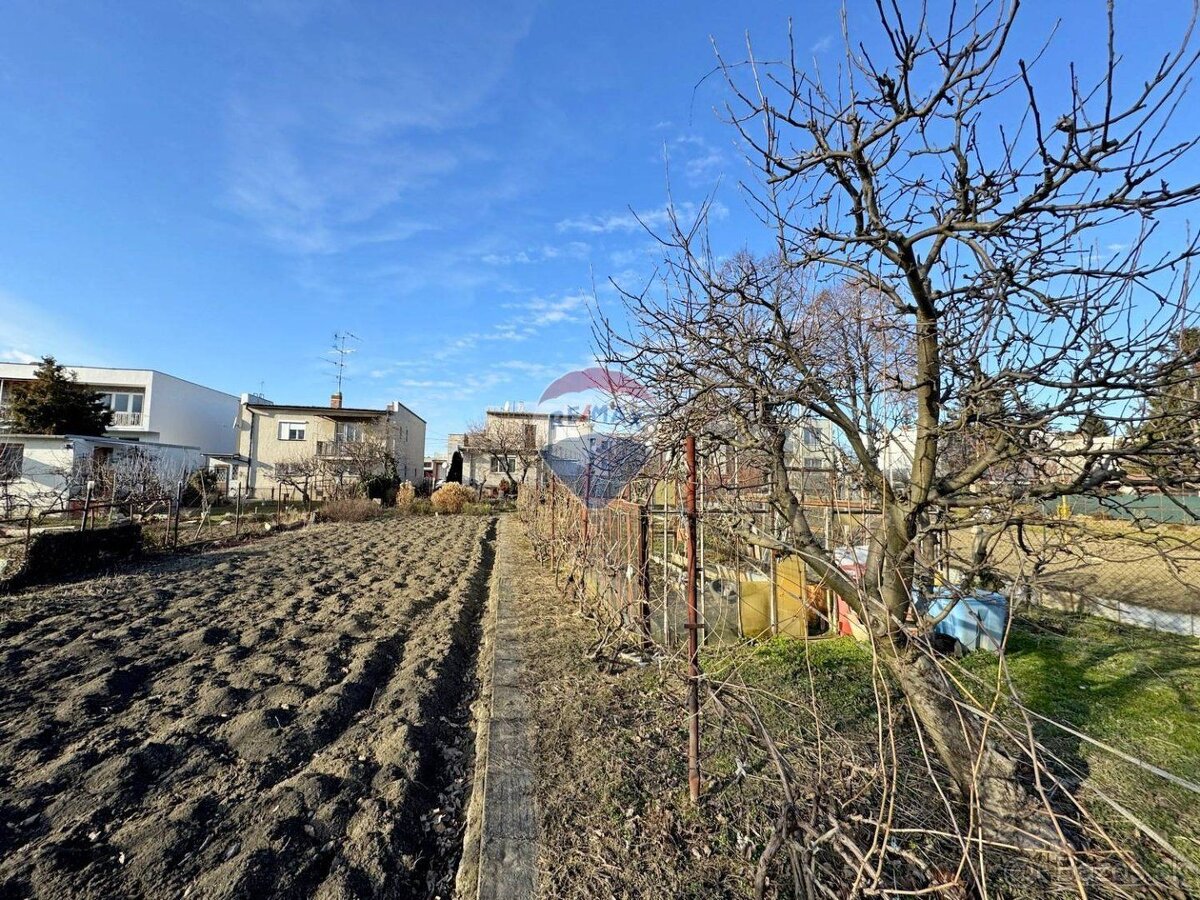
(34, 365)
(331, 411)
(10, 437)
(533, 414)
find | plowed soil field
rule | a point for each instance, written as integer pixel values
(285, 718)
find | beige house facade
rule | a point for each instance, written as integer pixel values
(507, 449)
(283, 449)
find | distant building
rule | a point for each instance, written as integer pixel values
(275, 439)
(147, 405)
(508, 448)
(436, 468)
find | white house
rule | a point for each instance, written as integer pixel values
(149, 406)
(44, 472)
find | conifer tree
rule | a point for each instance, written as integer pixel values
(54, 402)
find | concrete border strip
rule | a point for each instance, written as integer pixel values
(500, 845)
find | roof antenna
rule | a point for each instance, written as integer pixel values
(342, 350)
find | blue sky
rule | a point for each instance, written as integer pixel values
(213, 188)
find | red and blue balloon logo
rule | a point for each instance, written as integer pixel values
(595, 444)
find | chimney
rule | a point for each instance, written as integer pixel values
(335, 400)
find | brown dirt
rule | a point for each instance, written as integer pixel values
(282, 719)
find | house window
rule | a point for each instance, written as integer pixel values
(292, 431)
(812, 437)
(126, 406)
(503, 465)
(348, 432)
(11, 458)
(123, 402)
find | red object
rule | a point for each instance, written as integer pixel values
(693, 627)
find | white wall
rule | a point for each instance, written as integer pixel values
(175, 411)
(192, 415)
(43, 479)
(408, 436)
(49, 461)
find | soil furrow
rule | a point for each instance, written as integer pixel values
(277, 720)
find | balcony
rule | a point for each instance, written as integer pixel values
(126, 420)
(340, 449)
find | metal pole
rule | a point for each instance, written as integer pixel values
(87, 505)
(703, 582)
(693, 693)
(178, 502)
(237, 512)
(644, 571)
(587, 497)
(774, 570)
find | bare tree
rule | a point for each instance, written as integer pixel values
(952, 260)
(507, 439)
(304, 474)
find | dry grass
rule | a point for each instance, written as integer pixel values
(451, 498)
(353, 509)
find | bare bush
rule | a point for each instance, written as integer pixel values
(349, 509)
(450, 498)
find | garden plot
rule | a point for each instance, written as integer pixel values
(285, 718)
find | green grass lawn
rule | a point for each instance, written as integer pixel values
(1135, 690)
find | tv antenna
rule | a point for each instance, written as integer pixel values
(342, 350)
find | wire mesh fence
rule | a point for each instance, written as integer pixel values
(644, 566)
(168, 521)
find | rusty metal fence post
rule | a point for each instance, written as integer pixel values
(175, 524)
(237, 513)
(644, 572)
(87, 505)
(693, 628)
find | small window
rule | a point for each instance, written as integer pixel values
(11, 458)
(503, 465)
(292, 431)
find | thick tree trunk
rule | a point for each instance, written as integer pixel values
(983, 775)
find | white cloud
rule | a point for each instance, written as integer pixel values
(630, 221)
(570, 250)
(825, 42)
(326, 153)
(704, 168)
(29, 331)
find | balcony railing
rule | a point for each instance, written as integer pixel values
(339, 449)
(126, 420)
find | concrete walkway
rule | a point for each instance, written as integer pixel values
(501, 843)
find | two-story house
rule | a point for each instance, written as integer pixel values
(507, 446)
(148, 405)
(276, 441)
